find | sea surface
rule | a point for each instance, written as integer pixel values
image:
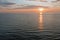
(27, 26)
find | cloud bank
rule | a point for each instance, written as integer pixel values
(11, 4)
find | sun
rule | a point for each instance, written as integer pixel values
(40, 9)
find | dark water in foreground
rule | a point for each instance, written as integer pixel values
(25, 26)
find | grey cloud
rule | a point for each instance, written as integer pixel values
(7, 3)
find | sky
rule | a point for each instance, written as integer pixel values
(22, 3)
(14, 4)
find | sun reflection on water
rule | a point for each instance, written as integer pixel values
(41, 19)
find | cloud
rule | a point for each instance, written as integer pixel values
(7, 3)
(56, 4)
(11, 4)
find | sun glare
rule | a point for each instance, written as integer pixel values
(41, 9)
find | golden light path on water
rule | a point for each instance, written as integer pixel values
(41, 19)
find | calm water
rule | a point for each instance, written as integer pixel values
(26, 26)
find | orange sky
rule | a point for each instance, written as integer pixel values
(29, 10)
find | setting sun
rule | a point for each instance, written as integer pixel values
(41, 9)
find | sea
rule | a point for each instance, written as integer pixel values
(28, 26)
